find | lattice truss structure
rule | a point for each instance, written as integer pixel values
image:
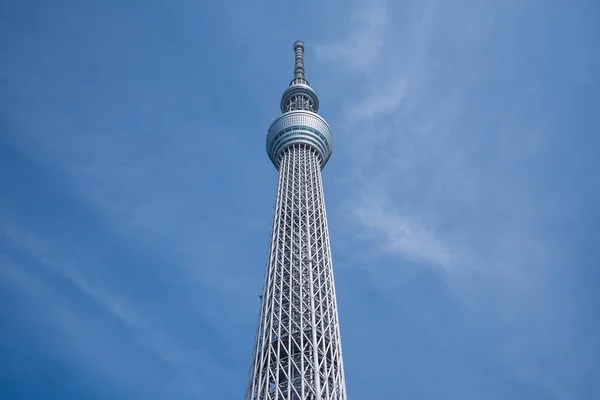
(297, 354)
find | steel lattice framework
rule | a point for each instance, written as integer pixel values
(298, 354)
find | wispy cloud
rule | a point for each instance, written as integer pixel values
(399, 234)
(87, 332)
(137, 195)
(363, 44)
(130, 249)
(445, 172)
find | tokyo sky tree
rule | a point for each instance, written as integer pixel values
(298, 354)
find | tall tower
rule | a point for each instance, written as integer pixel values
(298, 354)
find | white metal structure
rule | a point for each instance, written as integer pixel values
(298, 354)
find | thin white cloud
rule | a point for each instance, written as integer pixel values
(96, 346)
(380, 103)
(427, 182)
(364, 42)
(388, 92)
(432, 183)
(399, 234)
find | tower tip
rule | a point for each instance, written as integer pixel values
(299, 65)
(299, 95)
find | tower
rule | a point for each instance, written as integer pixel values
(298, 353)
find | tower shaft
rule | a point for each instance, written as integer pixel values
(298, 354)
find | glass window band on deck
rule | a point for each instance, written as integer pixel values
(306, 135)
(298, 132)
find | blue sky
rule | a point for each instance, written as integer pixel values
(136, 196)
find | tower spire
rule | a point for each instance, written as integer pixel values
(299, 95)
(299, 67)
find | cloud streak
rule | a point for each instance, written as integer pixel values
(441, 179)
(85, 331)
(137, 195)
